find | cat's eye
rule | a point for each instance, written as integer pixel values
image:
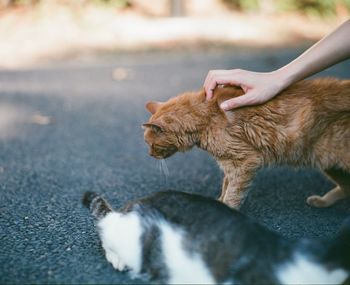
(155, 128)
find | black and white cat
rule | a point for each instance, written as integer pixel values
(175, 237)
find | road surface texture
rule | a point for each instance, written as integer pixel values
(76, 126)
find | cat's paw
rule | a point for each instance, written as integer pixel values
(317, 201)
(234, 200)
(115, 260)
(234, 204)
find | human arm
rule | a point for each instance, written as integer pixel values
(260, 87)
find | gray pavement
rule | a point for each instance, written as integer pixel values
(94, 142)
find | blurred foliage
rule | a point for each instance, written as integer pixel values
(323, 8)
(320, 8)
(113, 3)
(242, 5)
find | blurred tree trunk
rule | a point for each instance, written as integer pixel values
(177, 8)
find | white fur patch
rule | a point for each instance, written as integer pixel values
(303, 271)
(184, 268)
(120, 236)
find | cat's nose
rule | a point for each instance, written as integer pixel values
(151, 152)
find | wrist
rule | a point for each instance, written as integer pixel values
(282, 79)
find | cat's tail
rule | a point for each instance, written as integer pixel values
(98, 206)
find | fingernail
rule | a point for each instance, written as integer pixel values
(224, 106)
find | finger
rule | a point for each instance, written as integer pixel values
(209, 83)
(208, 93)
(244, 100)
(209, 75)
(223, 80)
(209, 89)
(220, 77)
(218, 80)
(212, 74)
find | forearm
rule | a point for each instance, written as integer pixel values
(260, 87)
(328, 51)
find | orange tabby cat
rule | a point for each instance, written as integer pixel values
(308, 124)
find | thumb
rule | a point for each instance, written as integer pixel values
(243, 100)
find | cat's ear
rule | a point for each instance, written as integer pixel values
(154, 126)
(152, 107)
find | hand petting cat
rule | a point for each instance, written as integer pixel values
(253, 84)
(260, 87)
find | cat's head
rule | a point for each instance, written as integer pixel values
(173, 125)
(162, 144)
(176, 125)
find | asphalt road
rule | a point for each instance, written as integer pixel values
(72, 127)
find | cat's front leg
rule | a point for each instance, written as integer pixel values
(236, 182)
(234, 194)
(113, 258)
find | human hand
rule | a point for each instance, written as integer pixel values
(258, 87)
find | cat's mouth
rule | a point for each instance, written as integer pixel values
(157, 156)
(162, 153)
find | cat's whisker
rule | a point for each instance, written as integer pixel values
(159, 166)
(163, 168)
